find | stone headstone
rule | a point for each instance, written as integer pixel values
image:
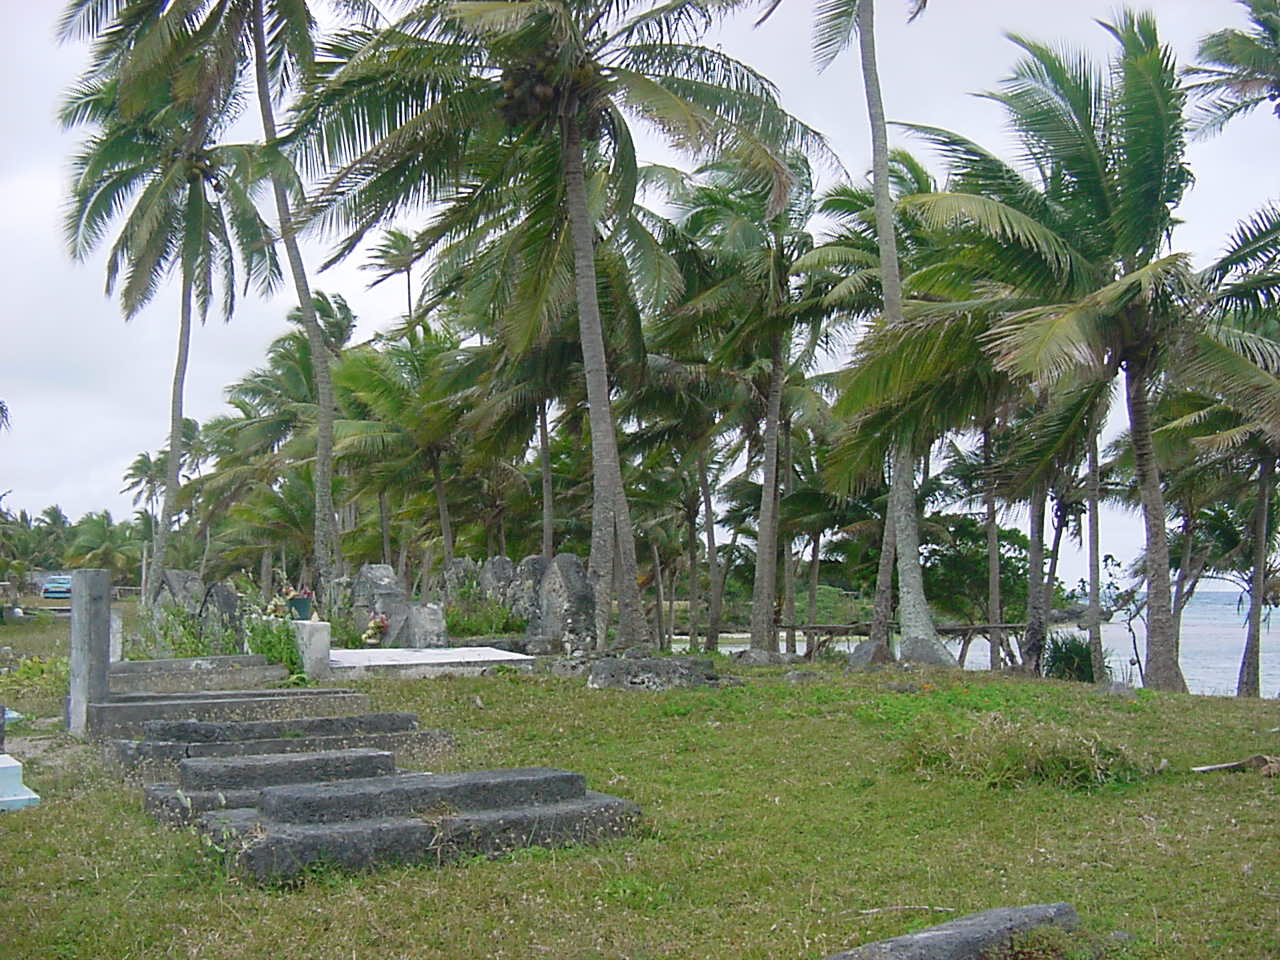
(375, 586)
(460, 574)
(425, 627)
(117, 637)
(926, 652)
(567, 608)
(968, 938)
(220, 608)
(496, 577)
(868, 655)
(524, 594)
(655, 673)
(182, 587)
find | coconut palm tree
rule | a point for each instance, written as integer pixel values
(192, 213)
(1240, 69)
(532, 105)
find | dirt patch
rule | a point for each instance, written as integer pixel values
(49, 751)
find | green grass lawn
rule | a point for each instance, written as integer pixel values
(777, 818)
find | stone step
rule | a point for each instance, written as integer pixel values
(189, 664)
(269, 769)
(124, 716)
(268, 851)
(172, 805)
(190, 681)
(419, 793)
(139, 755)
(206, 731)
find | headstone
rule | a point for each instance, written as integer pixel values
(654, 673)
(868, 655)
(524, 595)
(314, 640)
(926, 652)
(90, 645)
(496, 577)
(460, 574)
(220, 608)
(376, 586)
(425, 627)
(567, 608)
(183, 587)
(117, 637)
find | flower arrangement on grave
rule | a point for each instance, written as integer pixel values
(378, 626)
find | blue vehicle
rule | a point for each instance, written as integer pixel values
(56, 588)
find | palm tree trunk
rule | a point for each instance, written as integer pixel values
(1034, 639)
(657, 580)
(1059, 526)
(1249, 682)
(815, 568)
(1162, 671)
(385, 523)
(995, 635)
(913, 608)
(174, 461)
(765, 589)
(548, 491)
(327, 549)
(442, 503)
(610, 515)
(1093, 618)
(691, 548)
(788, 560)
(715, 585)
(882, 610)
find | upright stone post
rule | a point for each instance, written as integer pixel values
(90, 645)
(313, 638)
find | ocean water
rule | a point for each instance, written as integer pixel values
(1213, 630)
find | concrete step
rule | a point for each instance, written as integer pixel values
(190, 664)
(124, 716)
(270, 769)
(254, 676)
(172, 805)
(204, 731)
(268, 851)
(419, 793)
(145, 756)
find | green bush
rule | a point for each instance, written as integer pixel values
(1067, 657)
(470, 613)
(36, 685)
(173, 631)
(274, 639)
(1005, 753)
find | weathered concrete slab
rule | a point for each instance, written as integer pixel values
(124, 716)
(172, 805)
(967, 938)
(650, 673)
(410, 663)
(208, 731)
(265, 770)
(191, 681)
(420, 793)
(272, 851)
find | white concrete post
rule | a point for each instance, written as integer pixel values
(314, 639)
(90, 645)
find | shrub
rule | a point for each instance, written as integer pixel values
(173, 631)
(1005, 753)
(274, 639)
(36, 684)
(469, 613)
(1067, 657)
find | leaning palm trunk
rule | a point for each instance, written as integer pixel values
(326, 546)
(764, 590)
(610, 516)
(1093, 617)
(170, 504)
(442, 503)
(1162, 671)
(995, 635)
(715, 584)
(1249, 682)
(916, 621)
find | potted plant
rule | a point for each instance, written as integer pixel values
(299, 603)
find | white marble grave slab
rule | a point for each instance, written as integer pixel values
(410, 662)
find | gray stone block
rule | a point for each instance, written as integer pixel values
(90, 648)
(172, 805)
(967, 938)
(657, 673)
(496, 576)
(867, 656)
(425, 627)
(921, 650)
(265, 770)
(421, 794)
(568, 608)
(766, 658)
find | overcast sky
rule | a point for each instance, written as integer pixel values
(87, 392)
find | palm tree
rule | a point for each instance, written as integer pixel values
(273, 40)
(537, 99)
(1240, 70)
(193, 213)
(397, 252)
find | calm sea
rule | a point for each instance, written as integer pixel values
(1213, 628)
